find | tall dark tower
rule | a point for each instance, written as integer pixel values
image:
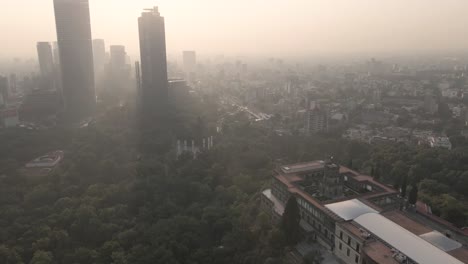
(46, 60)
(154, 86)
(76, 57)
(46, 65)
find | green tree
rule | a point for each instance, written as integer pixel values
(413, 195)
(290, 222)
(42, 257)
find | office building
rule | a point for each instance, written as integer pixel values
(154, 90)
(359, 219)
(76, 58)
(99, 54)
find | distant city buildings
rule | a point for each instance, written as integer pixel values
(154, 84)
(76, 58)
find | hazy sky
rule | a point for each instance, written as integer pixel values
(265, 27)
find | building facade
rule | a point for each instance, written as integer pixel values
(76, 58)
(154, 81)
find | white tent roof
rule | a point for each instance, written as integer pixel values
(349, 210)
(404, 241)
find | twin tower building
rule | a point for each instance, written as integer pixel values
(74, 40)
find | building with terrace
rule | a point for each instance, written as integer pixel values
(356, 217)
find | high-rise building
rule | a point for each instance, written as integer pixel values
(316, 119)
(154, 90)
(99, 53)
(46, 65)
(46, 61)
(76, 57)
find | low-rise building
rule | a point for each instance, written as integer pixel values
(357, 217)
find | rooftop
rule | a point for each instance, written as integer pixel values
(407, 223)
(439, 240)
(404, 241)
(350, 209)
(303, 167)
(379, 253)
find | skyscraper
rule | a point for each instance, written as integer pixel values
(154, 90)
(46, 65)
(72, 20)
(46, 61)
(99, 53)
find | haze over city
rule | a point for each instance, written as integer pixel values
(258, 27)
(234, 132)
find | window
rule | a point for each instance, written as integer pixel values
(341, 235)
(357, 247)
(347, 252)
(340, 246)
(356, 259)
(349, 240)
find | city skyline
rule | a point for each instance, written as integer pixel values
(305, 27)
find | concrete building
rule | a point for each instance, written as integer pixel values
(76, 58)
(154, 90)
(363, 225)
(316, 119)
